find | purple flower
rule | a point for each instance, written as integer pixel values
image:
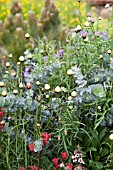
(26, 74)
(27, 68)
(45, 58)
(60, 53)
(93, 38)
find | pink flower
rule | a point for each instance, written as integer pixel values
(2, 124)
(33, 167)
(69, 165)
(21, 168)
(45, 138)
(80, 160)
(31, 147)
(64, 155)
(55, 161)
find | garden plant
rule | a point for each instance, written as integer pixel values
(56, 101)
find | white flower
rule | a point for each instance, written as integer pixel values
(37, 83)
(15, 92)
(47, 87)
(58, 89)
(4, 93)
(10, 55)
(7, 64)
(86, 24)
(74, 94)
(109, 51)
(47, 96)
(30, 56)
(111, 137)
(70, 98)
(1, 84)
(21, 86)
(69, 72)
(101, 56)
(21, 58)
(99, 107)
(27, 35)
(70, 107)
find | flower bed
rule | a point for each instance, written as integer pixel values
(56, 108)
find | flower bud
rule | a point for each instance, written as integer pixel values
(37, 83)
(21, 59)
(70, 98)
(4, 93)
(47, 87)
(99, 107)
(9, 118)
(109, 51)
(101, 57)
(18, 64)
(111, 137)
(38, 125)
(58, 89)
(28, 85)
(15, 92)
(7, 64)
(27, 36)
(39, 98)
(1, 84)
(6, 72)
(74, 94)
(10, 55)
(47, 96)
(30, 56)
(21, 86)
(70, 107)
(69, 72)
(42, 51)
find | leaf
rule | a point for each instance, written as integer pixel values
(99, 165)
(91, 149)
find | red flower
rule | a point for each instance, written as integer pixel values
(70, 166)
(33, 167)
(21, 168)
(55, 161)
(57, 166)
(64, 155)
(1, 114)
(31, 147)
(45, 138)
